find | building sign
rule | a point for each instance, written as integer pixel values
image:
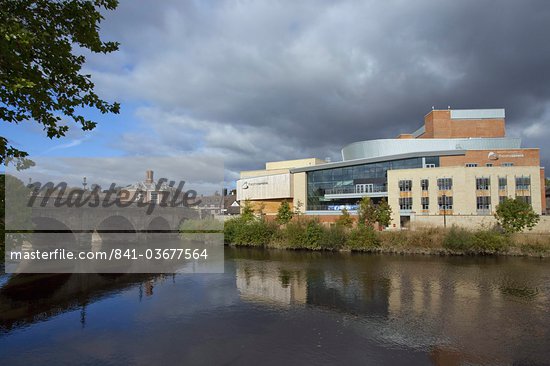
(511, 155)
(341, 207)
(494, 156)
(265, 187)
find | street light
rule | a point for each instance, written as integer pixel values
(444, 201)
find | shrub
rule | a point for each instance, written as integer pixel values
(334, 238)
(489, 241)
(292, 235)
(458, 239)
(254, 232)
(310, 234)
(231, 228)
(313, 235)
(478, 242)
(362, 238)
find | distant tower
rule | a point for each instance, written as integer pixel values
(149, 176)
(84, 183)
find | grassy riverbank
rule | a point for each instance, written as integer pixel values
(309, 234)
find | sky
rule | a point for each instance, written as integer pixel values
(257, 81)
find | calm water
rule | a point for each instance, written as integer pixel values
(273, 307)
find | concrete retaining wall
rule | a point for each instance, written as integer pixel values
(470, 222)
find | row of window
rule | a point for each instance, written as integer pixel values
(483, 203)
(442, 184)
(473, 165)
(522, 183)
(443, 202)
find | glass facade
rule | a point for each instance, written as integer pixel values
(357, 179)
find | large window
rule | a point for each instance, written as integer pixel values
(425, 201)
(445, 202)
(405, 203)
(502, 183)
(484, 204)
(445, 184)
(523, 183)
(526, 199)
(483, 183)
(405, 185)
(345, 180)
(425, 184)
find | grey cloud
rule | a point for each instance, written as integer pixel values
(260, 80)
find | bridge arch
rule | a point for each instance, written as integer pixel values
(159, 224)
(116, 228)
(51, 234)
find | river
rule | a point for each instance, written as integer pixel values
(283, 307)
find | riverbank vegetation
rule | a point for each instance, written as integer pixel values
(302, 232)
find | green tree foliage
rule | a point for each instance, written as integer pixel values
(41, 62)
(515, 215)
(362, 238)
(284, 213)
(345, 219)
(247, 212)
(366, 213)
(383, 213)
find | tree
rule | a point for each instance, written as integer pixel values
(40, 65)
(369, 213)
(284, 213)
(366, 213)
(345, 219)
(247, 212)
(515, 215)
(383, 213)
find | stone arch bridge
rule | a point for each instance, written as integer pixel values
(88, 225)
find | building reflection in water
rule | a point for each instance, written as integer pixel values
(266, 282)
(428, 303)
(277, 283)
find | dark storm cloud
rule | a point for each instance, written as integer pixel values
(257, 81)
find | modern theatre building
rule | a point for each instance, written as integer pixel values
(456, 168)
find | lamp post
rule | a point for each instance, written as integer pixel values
(444, 201)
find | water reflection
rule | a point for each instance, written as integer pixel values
(461, 310)
(277, 307)
(29, 298)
